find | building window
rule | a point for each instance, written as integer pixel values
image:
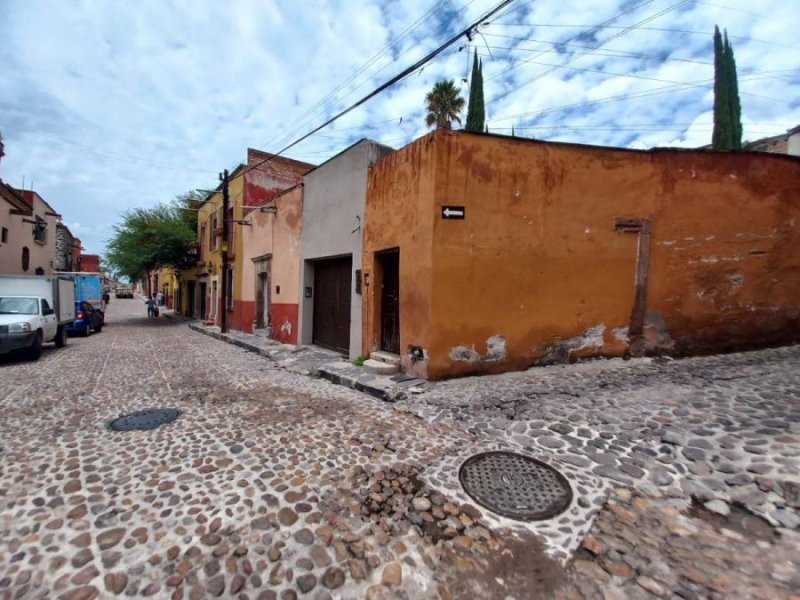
(40, 231)
(4, 237)
(26, 258)
(213, 234)
(203, 243)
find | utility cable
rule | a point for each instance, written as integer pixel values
(577, 35)
(609, 39)
(402, 75)
(405, 33)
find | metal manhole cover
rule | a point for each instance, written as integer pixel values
(515, 486)
(144, 420)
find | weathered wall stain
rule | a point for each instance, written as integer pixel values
(537, 260)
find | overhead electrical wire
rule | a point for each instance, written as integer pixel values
(621, 97)
(400, 76)
(659, 29)
(576, 36)
(617, 35)
(389, 47)
(300, 119)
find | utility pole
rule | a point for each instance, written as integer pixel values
(223, 321)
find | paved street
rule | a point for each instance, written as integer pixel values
(271, 484)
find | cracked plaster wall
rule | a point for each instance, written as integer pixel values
(537, 260)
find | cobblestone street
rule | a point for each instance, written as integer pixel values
(271, 484)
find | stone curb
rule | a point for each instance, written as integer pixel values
(362, 382)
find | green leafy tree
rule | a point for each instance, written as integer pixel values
(444, 104)
(149, 238)
(727, 107)
(476, 113)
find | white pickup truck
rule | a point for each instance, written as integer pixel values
(34, 310)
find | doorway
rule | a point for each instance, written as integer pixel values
(262, 300)
(203, 291)
(390, 301)
(332, 285)
(190, 299)
(214, 308)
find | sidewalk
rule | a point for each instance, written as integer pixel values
(317, 362)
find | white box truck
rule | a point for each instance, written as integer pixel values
(34, 309)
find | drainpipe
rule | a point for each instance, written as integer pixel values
(636, 328)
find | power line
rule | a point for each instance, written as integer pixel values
(752, 14)
(620, 97)
(609, 39)
(405, 34)
(117, 156)
(299, 120)
(576, 36)
(402, 75)
(659, 29)
(623, 55)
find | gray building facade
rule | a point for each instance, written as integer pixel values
(334, 196)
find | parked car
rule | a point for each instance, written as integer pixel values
(87, 319)
(34, 310)
(124, 292)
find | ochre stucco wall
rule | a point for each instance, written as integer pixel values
(537, 273)
(398, 215)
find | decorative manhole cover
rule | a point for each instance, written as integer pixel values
(515, 486)
(144, 420)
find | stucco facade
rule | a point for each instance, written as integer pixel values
(271, 265)
(262, 179)
(570, 251)
(334, 196)
(28, 226)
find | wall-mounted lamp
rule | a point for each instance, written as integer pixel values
(242, 222)
(268, 209)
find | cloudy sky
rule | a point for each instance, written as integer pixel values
(109, 105)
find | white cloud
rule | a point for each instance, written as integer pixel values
(113, 106)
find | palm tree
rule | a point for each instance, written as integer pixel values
(444, 103)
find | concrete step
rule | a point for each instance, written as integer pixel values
(386, 357)
(377, 367)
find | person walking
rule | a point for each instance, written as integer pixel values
(151, 307)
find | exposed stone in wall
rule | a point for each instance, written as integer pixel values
(563, 350)
(64, 245)
(495, 351)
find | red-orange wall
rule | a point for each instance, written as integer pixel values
(537, 272)
(284, 322)
(89, 263)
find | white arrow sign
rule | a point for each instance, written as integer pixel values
(453, 212)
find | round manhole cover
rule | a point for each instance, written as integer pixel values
(515, 486)
(144, 420)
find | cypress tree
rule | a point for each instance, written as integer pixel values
(727, 107)
(473, 81)
(476, 115)
(721, 138)
(480, 110)
(733, 96)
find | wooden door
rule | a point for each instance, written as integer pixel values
(332, 282)
(190, 299)
(262, 300)
(390, 302)
(203, 300)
